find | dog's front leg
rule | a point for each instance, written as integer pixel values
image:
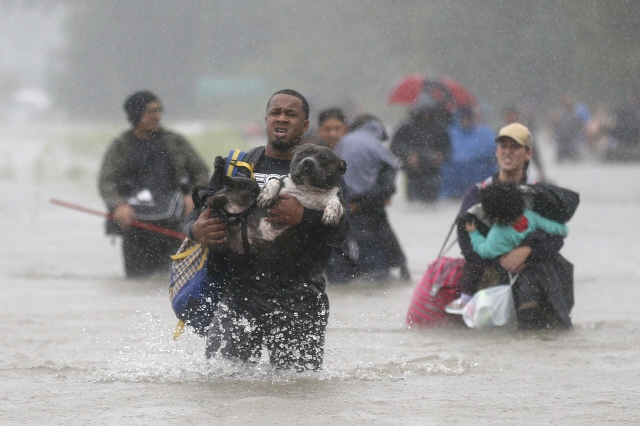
(269, 193)
(332, 212)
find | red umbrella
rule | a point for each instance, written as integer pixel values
(461, 95)
(407, 90)
(443, 89)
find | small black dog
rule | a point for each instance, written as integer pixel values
(231, 199)
(237, 193)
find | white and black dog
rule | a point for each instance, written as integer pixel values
(313, 180)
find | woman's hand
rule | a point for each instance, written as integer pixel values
(515, 260)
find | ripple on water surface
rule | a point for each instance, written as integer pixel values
(151, 355)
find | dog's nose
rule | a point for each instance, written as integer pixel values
(307, 163)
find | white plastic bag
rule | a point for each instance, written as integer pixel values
(491, 307)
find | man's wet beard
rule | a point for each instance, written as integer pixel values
(282, 146)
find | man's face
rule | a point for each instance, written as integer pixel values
(150, 120)
(286, 122)
(331, 130)
(511, 155)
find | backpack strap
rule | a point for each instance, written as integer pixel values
(234, 161)
(254, 155)
(248, 160)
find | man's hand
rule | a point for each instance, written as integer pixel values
(124, 215)
(514, 261)
(187, 200)
(208, 230)
(286, 210)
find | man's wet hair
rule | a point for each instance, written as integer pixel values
(136, 104)
(329, 113)
(291, 92)
(502, 202)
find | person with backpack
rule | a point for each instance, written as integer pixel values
(282, 306)
(148, 174)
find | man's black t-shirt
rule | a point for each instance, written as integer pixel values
(269, 168)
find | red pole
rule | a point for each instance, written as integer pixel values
(136, 223)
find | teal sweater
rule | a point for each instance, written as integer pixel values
(502, 239)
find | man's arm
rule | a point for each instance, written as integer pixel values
(195, 167)
(113, 170)
(194, 171)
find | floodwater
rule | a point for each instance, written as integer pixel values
(82, 345)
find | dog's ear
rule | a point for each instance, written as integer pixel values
(218, 170)
(343, 167)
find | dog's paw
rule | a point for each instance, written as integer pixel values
(268, 194)
(332, 213)
(263, 201)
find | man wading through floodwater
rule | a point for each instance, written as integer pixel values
(147, 174)
(282, 306)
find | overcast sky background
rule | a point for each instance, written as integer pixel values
(220, 60)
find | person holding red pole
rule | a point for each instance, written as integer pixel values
(147, 174)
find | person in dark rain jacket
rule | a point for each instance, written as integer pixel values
(148, 170)
(422, 144)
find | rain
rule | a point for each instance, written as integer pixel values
(82, 344)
